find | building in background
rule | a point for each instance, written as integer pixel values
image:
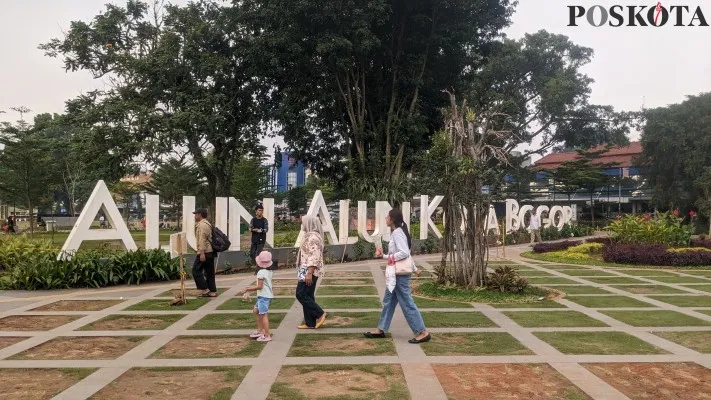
(288, 171)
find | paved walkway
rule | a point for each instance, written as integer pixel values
(417, 367)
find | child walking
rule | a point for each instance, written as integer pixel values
(264, 296)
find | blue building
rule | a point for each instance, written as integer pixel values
(289, 172)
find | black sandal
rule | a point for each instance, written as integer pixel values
(207, 295)
(423, 340)
(371, 335)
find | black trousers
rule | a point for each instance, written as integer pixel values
(256, 248)
(204, 272)
(306, 296)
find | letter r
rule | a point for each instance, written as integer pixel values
(575, 13)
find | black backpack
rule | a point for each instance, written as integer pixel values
(220, 242)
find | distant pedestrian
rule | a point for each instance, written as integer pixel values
(309, 263)
(259, 227)
(264, 296)
(535, 227)
(102, 222)
(204, 265)
(12, 224)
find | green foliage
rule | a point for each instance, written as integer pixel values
(296, 200)
(249, 180)
(431, 245)
(42, 271)
(506, 279)
(172, 180)
(363, 250)
(436, 291)
(285, 239)
(665, 229)
(14, 248)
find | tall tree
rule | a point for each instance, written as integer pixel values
(174, 179)
(250, 182)
(703, 183)
(180, 79)
(361, 80)
(677, 147)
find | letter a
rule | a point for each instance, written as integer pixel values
(100, 199)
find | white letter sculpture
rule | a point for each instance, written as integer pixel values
(318, 209)
(426, 211)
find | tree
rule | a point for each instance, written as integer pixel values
(124, 194)
(676, 144)
(296, 199)
(180, 79)
(26, 165)
(361, 80)
(172, 180)
(250, 182)
(703, 183)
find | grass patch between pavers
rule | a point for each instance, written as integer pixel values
(598, 343)
(347, 282)
(210, 347)
(655, 318)
(538, 304)
(164, 305)
(213, 383)
(434, 291)
(608, 301)
(117, 322)
(234, 321)
(349, 274)
(680, 279)
(335, 303)
(340, 345)
(40, 383)
(581, 289)
(466, 319)
(422, 302)
(474, 344)
(703, 288)
(649, 289)
(685, 301)
(340, 382)
(188, 292)
(645, 272)
(352, 320)
(78, 305)
(706, 273)
(533, 273)
(6, 341)
(277, 303)
(35, 322)
(585, 272)
(550, 281)
(347, 290)
(695, 340)
(553, 319)
(81, 348)
(617, 280)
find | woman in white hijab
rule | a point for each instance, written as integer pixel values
(309, 263)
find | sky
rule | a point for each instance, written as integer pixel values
(633, 66)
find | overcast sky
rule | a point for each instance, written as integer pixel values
(632, 65)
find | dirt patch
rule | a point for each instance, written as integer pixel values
(37, 384)
(348, 345)
(346, 282)
(134, 322)
(335, 321)
(284, 282)
(335, 384)
(686, 381)
(81, 348)
(9, 341)
(206, 347)
(35, 322)
(284, 291)
(78, 305)
(348, 274)
(173, 384)
(505, 382)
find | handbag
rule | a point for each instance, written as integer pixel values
(403, 267)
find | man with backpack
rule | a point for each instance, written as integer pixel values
(204, 265)
(259, 227)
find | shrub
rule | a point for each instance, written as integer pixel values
(14, 248)
(607, 241)
(363, 250)
(587, 248)
(431, 245)
(655, 255)
(506, 280)
(701, 243)
(665, 229)
(90, 269)
(551, 233)
(556, 246)
(285, 239)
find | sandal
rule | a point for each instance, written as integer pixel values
(371, 335)
(207, 295)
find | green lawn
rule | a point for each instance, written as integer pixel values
(581, 289)
(680, 279)
(346, 290)
(474, 344)
(550, 281)
(340, 345)
(705, 288)
(429, 303)
(533, 272)
(599, 343)
(352, 320)
(685, 301)
(608, 301)
(468, 319)
(188, 292)
(618, 280)
(164, 305)
(234, 321)
(537, 304)
(655, 318)
(645, 272)
(699, 341)
(553, 319)
(330, 303)
(585, 272)
(649, 289)
(277, 303)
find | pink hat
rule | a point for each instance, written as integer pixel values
(264, 259)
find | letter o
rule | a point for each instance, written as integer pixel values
(603, 16)
(652, 13)
(561, 221)
(522, 216)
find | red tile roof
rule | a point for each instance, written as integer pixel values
(622, 156)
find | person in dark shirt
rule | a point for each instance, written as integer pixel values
(259, 227)
(11, 222)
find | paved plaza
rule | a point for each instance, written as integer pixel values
(618, 334)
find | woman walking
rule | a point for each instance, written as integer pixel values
(309, 263)
(398, 286)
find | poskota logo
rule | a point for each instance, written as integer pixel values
(655, 16)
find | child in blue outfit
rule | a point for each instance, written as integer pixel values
(264, 297)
